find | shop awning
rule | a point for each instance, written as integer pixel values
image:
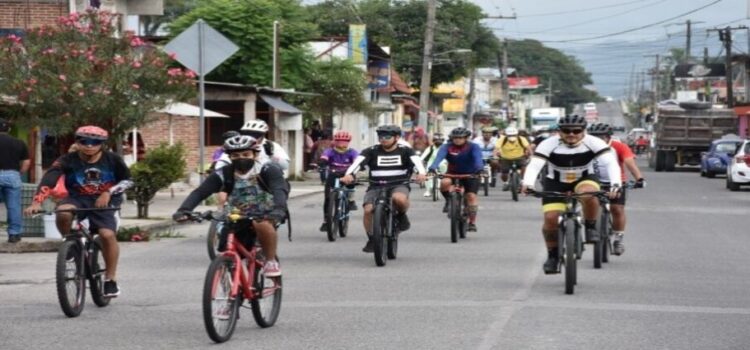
(280, 105)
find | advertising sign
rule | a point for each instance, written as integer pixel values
(378, 73)
(523, 83)
(358, 43)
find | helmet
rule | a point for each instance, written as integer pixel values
(489, 129)
(342, 136)
(572, 120)
(511, 131)
(256, 125)
(229, 134)
(438, 136)
(460, 132)
(91, 132)
(389, 130)
(241, 143)
(600, 129)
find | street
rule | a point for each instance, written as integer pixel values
(681, 284)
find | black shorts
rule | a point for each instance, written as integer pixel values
(97, 219)
(558, 203)
(470, 185)
(619, 200)
(243, 233)
(371, 195)
(505, 164)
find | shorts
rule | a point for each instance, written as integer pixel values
(558, 203)
(105, 219)
(619, 200)
(243, 233)
(470, 185)
(372, 193)
(505, 164)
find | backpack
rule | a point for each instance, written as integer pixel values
(521, 141)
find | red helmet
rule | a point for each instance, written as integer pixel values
(342, 136)
(92, 132)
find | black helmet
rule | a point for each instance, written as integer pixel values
(389, 129)
(600, 129)
(460, 132)
(572, 121)
(229, 134)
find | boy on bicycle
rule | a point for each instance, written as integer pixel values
(464, 158)
(337, 159)
(94, 178)
(390, 162)
(254, 188)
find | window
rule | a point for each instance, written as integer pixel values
(217, 126)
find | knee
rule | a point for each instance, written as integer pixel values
(107, 235)
(368, 209)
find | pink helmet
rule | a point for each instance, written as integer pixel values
(342, 136)
(92, 132)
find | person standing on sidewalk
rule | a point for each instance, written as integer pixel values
(13, 163)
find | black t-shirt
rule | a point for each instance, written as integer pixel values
(86, 179)
(396, 165)
(14, 151)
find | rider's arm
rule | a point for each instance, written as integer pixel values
(280, 156)
(629, 164)
(212, 185)
(122, 176)
(49, 179)
(609, 160)
(273, 182)
(442, 152)
(417, 161)
(362, 158)
(476, 154)
(532, 170)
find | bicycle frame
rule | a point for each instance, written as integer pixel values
(343, 199)
(236, 251)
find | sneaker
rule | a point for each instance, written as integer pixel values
(369, 247)
(592, 235)
(323, 227)
(111, 290)
(506, 187)
(445, 208)
(472, 228)
(427, 194)
(618, 247)
(552, 265)
(352, 206)
(272, 269)
(403, 222)
(14, 238)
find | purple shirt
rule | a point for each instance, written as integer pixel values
(339, 162)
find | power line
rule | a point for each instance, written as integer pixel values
(599, 19)
(581, 10)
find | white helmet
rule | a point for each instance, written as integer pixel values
(241, 143)
(256, 125)
(511, 131)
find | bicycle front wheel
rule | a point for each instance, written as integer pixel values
(332, 226)
(486, 185)
(220, 307)
(380, 225)
(70, 278)
(212, 239)
(435, 188)
(343, 220)
(392, 243)
(96, 274)
(605, 236)
(267, 302)
(570, 256)
(455, 210)
(514, 185)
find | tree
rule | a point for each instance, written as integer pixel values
(79, 72)
(159, 168)
(172, 10)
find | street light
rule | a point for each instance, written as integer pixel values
(424, 89)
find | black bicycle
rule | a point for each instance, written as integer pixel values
(79, 259)
(337, 212)
(569, 238)
(603, 251)
(457, 206)
(514, 180)
(485, 177)
(435, 188)
(384, 222)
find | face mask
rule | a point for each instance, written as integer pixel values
(243, 165)
(512, 139)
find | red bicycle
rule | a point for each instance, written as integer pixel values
(236, 274)
(457, 205)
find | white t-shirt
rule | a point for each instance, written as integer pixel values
(279, 157)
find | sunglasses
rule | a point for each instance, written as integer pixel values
(571, 131)
(89, 142)
(385, 137)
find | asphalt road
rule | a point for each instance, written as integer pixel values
(682, 284)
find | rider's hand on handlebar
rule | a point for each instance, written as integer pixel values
(640, 183)
(421, 178)
(32, 209)
(103, 200)
(347, 179)
(181, 216)
(614, 192)
(524, 190)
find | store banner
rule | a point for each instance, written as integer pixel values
(358, 43)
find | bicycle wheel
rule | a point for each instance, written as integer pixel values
(212, 239)
(599, 247)
(435, 188)
(70, 278)
(514, 185)
(570, 256)
(493, 178)
(606, 237)
(486, 185)
(220, 308)
(332, 227)
(267, 305)
(455, 210)
(464, 220)
(379, 236)
(392, 250)
(97, 269)
(343, 218)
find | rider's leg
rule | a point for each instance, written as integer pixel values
(110, 252)
(445, 188)
(401, 201)
(267, 237)
(618, 217)
(550, 233)
(221, 199)
(472, 206)
(590, 206)
(64, 220)
(369, 209)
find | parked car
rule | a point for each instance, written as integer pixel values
(719, 155)
(738, 172)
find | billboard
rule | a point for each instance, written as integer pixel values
(358, 43)
(523, 83)
(378, 74)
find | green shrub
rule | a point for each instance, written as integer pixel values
(159, 168)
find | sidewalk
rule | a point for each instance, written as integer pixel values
(160, 215)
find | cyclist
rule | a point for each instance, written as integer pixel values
(429, 155)
(94, 178)
(255, 188)
(487, 143)
(626, 159)
(391, 162)
(217, 156)
(464, 158)
(270, 151)
(570, 168)
(337, 159)
(511, 149)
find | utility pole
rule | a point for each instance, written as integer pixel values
(424, 88)
(655, 77)
(725, 35)
(687, 49)
(502, 61)
(276, 80)
(470, 100)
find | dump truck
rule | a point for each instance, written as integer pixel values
(683, 131)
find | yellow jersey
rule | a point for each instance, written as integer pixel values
(512, 149)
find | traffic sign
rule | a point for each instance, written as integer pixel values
(187, 47)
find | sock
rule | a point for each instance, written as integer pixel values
(472, 210)
(590, 224)
(618, 233)
(446, 195)
(550, 238)
(552, 252)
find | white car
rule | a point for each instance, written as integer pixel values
(738, 171)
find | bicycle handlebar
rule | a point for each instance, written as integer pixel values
(555, 194)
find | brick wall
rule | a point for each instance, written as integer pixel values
(32, 13)
(185, 130)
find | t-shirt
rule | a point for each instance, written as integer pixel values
(488, 148)
(569, 164)
(338, 162)
(512, 149)
(83, 179)
(623, 152)
(465, 159)
(390, 166)
(14, 151)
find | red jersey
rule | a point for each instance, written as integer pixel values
(623, 152)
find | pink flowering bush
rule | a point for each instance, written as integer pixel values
(83, 72)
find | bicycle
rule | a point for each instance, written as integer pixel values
(569, 238)
(514, 181)
(78, 260)
(484, 179)
(435, 188)
(456, 206)
(337, 212)
(606, 233)
(384, 233)
(229, 282)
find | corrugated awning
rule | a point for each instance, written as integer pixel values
(280, 105)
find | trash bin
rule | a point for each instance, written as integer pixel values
(50, 227)
(33, 226)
